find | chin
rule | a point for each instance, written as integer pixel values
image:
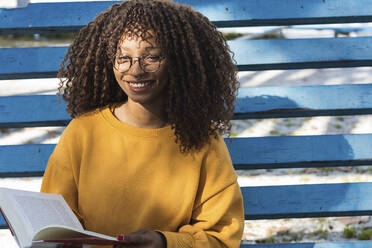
(146, 99)
(140, 100)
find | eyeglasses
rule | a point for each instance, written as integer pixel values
(147, 62)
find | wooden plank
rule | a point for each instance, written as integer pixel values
(32, 111)
(246, 153)
(36, 62)
(290, 12)
(302, 201)
(310, 200)
(263, 55)
(352, 244)
(302, 53)
(303, 101)
(57, 17)
(24, 160)
(69, 17)
(258, 102)
(300, 151)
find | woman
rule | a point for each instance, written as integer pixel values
(151, 87)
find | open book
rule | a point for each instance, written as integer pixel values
(41, 220)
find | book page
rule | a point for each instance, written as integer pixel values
(56, 232)
(21, 230)
(44, 212)
(40, 209)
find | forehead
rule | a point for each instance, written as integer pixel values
(138, 40)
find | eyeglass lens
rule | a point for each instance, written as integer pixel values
(148, 63)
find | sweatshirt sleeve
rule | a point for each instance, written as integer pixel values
(62, 172)
(218, 214)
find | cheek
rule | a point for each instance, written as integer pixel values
(163, 75)
(162, 81)
(120, 82)
(117, 76)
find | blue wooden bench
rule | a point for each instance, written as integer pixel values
(264, 202)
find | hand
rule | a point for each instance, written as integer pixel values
(143, 239)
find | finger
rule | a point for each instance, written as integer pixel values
(135, 238)
(122, 238)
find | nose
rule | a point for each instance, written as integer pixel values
(135, 69)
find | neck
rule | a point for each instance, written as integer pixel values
(141, 115)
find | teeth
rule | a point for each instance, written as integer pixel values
(139, 85)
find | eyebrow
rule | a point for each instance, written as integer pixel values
(146, 48)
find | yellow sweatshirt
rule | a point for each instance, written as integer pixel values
(119, 179)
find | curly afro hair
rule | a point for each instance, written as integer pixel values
(202, 86)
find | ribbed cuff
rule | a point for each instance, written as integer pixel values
(178, 240)
(163, 238)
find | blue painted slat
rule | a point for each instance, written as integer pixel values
(302, 53)
(300, 151)
(302, 201)
(303, 101)
(224, 13)
(36, 62)
(31, 111)
(260, 102)
(263, 55)
(311, 200)
(24, 160)
(290, 12)
(57, 17)
(246, 153)
(352, 244)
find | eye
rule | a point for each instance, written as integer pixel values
(152, 58)
(123, 59)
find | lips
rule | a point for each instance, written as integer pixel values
(140, 85)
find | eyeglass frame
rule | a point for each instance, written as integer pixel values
(132, 61)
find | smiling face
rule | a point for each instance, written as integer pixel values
(141, 86)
